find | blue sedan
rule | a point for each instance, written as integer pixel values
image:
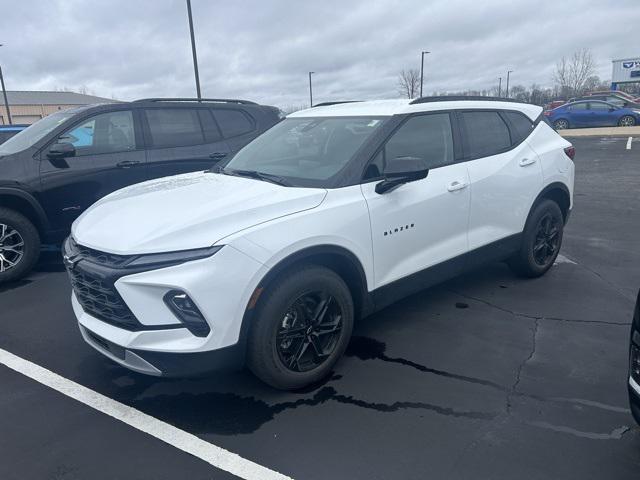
(592, 113)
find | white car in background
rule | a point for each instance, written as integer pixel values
(330, 215)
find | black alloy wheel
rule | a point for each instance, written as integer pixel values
(547, 241)
(309, 332)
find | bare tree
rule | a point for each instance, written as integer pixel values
(572, 74)
(409, 83)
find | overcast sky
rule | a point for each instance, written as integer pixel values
(262, 50)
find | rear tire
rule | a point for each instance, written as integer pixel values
(541, 241)
(19, 245)
(296, 339)
(627, 121)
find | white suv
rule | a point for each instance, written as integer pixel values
(332, 214)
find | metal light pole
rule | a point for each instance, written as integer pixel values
(507, 92)
(4, 94)
(499, 86)
(422, 71)
(310, 90)
(193, 50)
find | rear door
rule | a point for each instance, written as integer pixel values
(109, 156)
(181, 140)
(504, 172)
(579, 115)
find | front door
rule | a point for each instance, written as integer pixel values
(106, 159)
(422, 223)
(182, 140)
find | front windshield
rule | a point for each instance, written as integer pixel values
(33, 133)
(305, 151)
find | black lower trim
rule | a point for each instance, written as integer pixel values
(493, 252)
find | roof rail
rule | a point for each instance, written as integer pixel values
(200, 100)
(328, 104)
(456, 98)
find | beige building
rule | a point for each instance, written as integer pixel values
(29, 107)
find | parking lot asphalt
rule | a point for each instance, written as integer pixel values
(486, 376)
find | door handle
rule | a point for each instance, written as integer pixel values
(526, 161)
(453, 186)
(217, 155)
(128, 164)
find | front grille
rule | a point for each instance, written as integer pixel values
(101, 258)
(100, 299)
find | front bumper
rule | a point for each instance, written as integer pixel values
(167, 364)
(221, 287)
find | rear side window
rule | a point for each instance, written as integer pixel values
(232, 122)
(521, 126)
(174, 127)
(487, 134)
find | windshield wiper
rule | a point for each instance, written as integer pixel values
(267, 177)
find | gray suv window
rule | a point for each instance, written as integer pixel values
(232, 122)
(174, 127)
(104, 133)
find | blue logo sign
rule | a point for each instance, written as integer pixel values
(630, 64)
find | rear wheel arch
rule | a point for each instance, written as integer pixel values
(557, 192)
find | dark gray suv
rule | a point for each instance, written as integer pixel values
(56, 168)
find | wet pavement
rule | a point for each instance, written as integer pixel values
(486, 376)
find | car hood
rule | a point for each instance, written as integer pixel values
(188, 211)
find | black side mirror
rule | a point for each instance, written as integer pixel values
(61, 150)
(402, 170)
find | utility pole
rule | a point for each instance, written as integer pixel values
(4, 94)
(422, 71)
(499, 86)
(310, 91)
(508, 73)
(193, 50)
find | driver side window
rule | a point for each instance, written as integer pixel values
(427, 137)
(105, 133)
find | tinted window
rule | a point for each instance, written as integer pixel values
(232, 122)
(174, 127)
(209, 127)
(426, 136)
(578, 106)
(487, 134)
(520, 124)
(600, 106)
(105, 133)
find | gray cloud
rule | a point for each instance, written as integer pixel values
(262, 50)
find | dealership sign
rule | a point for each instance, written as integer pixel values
(626, 70)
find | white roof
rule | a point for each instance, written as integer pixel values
(385, 108)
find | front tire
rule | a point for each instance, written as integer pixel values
(19, 245)
(541, 241)
(561, 124)
(627, 121)
(302, 327)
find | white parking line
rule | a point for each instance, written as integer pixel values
(212, 454)
(629, 143)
